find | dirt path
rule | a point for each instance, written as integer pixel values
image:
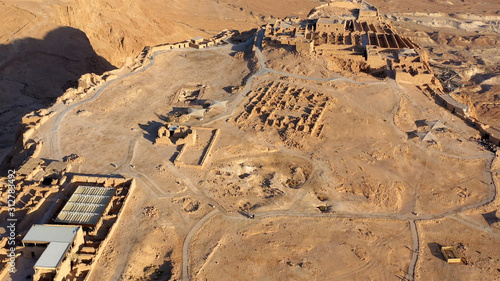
(415, 251)
(187, 240)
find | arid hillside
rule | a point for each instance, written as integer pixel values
(480, 8)
(46, 46)
(121, 28)
(343, 143)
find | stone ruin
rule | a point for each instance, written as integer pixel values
(175, 135)
(288, 108)
(189, 94)
(360, 36)
(196, 143)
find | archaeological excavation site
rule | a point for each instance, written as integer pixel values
(249, 140)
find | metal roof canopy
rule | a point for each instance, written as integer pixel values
(59, 238)
(41, 233)
(86, 205)
(52, 256)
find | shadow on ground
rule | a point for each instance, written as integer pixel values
(159, 272)
(491, 218)
(435, 249)
(150, 130)
(35, 72)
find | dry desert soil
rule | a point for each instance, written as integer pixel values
(345, 195)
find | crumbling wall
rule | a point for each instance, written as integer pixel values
(419, 79)
(111, 232)
(209, 149)
(205, 151)
(270, 101)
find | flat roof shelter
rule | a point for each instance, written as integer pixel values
(51, 243)
(86, 206)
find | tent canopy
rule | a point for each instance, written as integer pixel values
(197, 113)
(218, 104)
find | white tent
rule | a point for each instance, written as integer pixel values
(218, 104)
(197, 113)
(436, 125)
(424, 136)
(428, 137)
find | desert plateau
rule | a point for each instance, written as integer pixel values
(249, 140)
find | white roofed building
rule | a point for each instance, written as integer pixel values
(51, 245)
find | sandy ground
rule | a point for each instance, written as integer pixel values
(299, 249)
(333, 205)
(354, 186)
(473, 240)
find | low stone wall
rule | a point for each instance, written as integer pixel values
(205, 155)
(111, 232)
(210, 147)
(488, 133)
(419, 79)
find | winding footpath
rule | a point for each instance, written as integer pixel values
(410, 275)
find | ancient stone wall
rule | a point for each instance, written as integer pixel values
(286, 108)
(202, 153)
(111, 232)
